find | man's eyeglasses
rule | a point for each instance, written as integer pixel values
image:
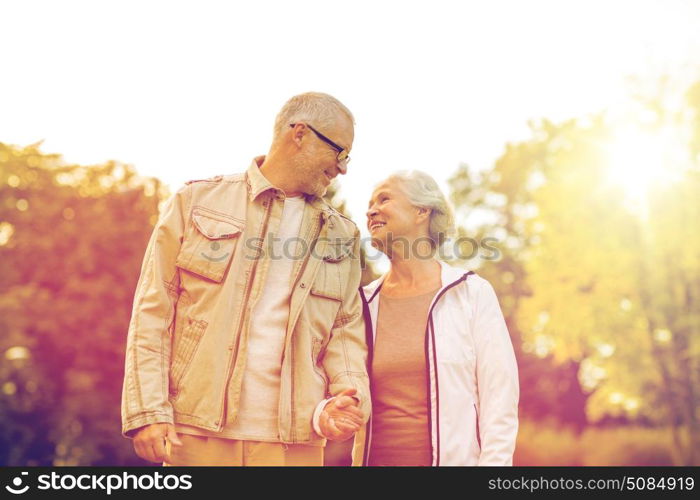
(342, 152)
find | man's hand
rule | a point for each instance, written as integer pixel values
(341, 418)
(149, 441)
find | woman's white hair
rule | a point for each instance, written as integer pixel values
(318, 109)
(423, 192)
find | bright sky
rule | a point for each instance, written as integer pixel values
(187, 90)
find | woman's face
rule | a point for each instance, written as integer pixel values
(392, 218)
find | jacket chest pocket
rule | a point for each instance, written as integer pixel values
(325, 298)
(327, 282)
(209, 244)
(328, 288)
(334, 269)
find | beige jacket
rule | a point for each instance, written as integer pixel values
(204, 268)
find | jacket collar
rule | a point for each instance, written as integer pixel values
(448, 274)
(257, 182)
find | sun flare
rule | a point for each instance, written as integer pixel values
(640, 159)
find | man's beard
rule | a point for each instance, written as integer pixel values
(313, 182)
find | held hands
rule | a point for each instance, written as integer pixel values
(149, 441)
(339, 421)
(341, 418)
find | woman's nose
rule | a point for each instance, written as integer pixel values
(371, 212)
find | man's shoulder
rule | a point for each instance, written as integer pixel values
(216, 179)
(219, 185)
(219, 179)
(347, 225)
(347, 222)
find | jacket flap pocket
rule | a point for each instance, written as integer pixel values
(329, 293)
(327, 282)
(338, 249)
(216, 228)
(209, 245)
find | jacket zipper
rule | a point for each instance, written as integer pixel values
(478, 433)
(428, 336)
(369, 340)
(291, 341)
(241, 321)
(430, 326)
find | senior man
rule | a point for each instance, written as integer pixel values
(246, 342)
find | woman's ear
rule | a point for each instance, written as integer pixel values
(423, 213)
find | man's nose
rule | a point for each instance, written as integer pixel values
(343, 167)
(371, 212)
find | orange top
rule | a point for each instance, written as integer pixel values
(400, 433)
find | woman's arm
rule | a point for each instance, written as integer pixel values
(497, 379)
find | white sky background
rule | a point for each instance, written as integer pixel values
(187, 90)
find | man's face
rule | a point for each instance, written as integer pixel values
(317, 165)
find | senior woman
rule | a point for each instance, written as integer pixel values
(444, 379)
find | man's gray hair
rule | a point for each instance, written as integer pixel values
(422, 191)
(319, 110)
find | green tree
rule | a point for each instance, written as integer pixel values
(588, 276)
(71, 243)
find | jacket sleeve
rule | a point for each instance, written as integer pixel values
(147, 364)
(497, 380)
(346, 355)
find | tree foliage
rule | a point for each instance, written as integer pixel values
(596, 275)
(71, 243)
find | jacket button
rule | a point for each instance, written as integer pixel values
(303, 285)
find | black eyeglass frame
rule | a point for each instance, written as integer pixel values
(342, 152)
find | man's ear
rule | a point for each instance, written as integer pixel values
(298, 132)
